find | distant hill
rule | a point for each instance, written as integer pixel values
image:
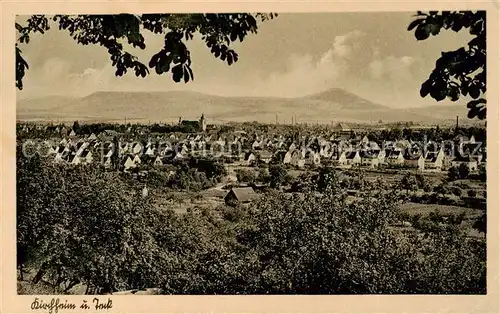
(325, 107)
(344, 100)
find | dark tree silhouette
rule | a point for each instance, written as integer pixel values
(461, 72)
(218, 31)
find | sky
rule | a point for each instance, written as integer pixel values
(296, 54)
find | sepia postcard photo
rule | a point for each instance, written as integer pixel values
(249, 152)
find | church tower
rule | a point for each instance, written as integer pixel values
(203, 123)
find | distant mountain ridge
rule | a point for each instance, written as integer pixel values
(328, 106)
(346, 99)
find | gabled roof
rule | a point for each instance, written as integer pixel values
(85, 153)
(460, 158)
(394, 154)
(413, 155)
(431, 156)
(244, 195)
(265, 154)
(351, 154)
(369, 154)
(343, 127)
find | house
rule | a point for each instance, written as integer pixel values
(365, 139)
(414, 160)
(434, 159)
(137, 148)
(92, 137)
(129, 163)
(472, 150)
(312, 158)
(179, 155)
(353, 158)
(370, 158)
(124, 148)
(394, 157)
(108, 153)
(107, 162)
(339, 158)
(86, 157)
(72, 133)
(470, 162)
(240, 195)
(250, 158)
(62, 156)
(150, 151)
(342, 128)
(81, 147)
(137, 159)
(74, 159)
(265, 156)
(256, 144)
(287, 158)
(158, 161)
(296, 159)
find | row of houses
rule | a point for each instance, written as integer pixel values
(342, 151)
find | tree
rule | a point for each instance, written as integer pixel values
(245, 175)
(461, 72)
(76, 126)
(218, 31)
(409, 182)
(463, 171)
(327, 179)
(263, 175)
(481, 223)
(482, 173)
(278, 175)
(453, 174)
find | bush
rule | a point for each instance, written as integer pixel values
(456, 191)
(263, 175)
(453, 174)
(472, 193)
(482, 173)
(233, 213)
(245, 175)
(278, 175)
(463, 171)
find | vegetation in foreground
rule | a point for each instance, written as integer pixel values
(86, 226)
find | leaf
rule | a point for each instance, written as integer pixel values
(474, 91)
(457, 25)
(154, 60)
(435, 29)
(165, 63)
(177, 73)
(415, 23)
(476, 102)
(425, 89)
(234, 34)
(438, 91)
(422, 32)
